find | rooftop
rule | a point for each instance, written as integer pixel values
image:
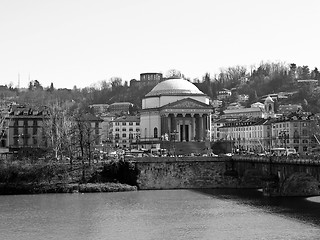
(176, 86)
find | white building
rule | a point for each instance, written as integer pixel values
(224, 94)
(248, 134)
(175, 109)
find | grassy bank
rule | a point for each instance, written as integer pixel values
(33, 188)
(53, 177)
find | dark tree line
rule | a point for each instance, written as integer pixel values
(260, 80)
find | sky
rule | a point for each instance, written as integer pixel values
(83, 42)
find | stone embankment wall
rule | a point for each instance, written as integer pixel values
(277, 176)
(184, 172)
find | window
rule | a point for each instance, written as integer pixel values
(137, 124)
(124, 124)
(304, 132)
(124, 129)
(130, 129)
(117, 136)
(15, 130)
(124, 135)
(117, 130)
(130, 136)
(35, 130)
(138, 130)
(155, 132)
(117, 123)
(130, 123)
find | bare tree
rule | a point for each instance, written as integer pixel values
(59, 130)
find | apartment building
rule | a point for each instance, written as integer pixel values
(23, 127)
(294, 131)
(259, 135)
(125, 131)
(251, 134)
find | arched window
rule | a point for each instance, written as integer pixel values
(155, 132)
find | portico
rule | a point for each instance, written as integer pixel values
(186, 127)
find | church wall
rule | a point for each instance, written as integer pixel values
(148, 121)
(153, 102)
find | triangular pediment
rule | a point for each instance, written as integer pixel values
(187, 103)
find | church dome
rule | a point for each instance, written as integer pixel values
(174, 87)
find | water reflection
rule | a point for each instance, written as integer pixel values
(300, 208)
(166, 214)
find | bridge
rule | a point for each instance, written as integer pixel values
(289, 176)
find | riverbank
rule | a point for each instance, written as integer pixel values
(30, 188)
(20, 177)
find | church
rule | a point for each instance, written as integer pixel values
(175, 110)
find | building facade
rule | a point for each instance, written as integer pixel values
(294, 131)
(175, 109)
(120, 108)
(251, 134)
(125, 131)
(99, 109)
(260, 135)
(24, 127)
(257, 110)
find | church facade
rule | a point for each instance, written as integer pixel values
(175, 110)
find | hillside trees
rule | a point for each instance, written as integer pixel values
(315, 74)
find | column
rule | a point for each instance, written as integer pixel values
(174, 128)
(169, 125)
(196, 127)
(183, 129)
(205, 122)
(201, 127)
(210, 126)
(192, 127)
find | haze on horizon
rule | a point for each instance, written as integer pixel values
(81, 42)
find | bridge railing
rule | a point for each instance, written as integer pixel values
(303, 160)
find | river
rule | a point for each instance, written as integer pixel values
(165, 214)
